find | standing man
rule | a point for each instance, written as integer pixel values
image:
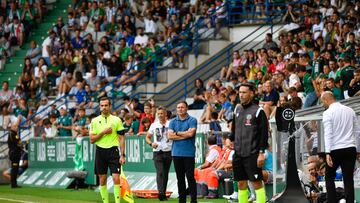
(107, 132)
(340, 133)
(162, 150)
(250, 135)
(14, 144)
(182, 130)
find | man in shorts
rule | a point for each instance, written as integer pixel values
(107, 132)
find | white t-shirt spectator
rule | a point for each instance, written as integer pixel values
(316, 29)
(150, 26)
(43, 111)
(110, 12)
(142, 40)
(47, 42)
(293, 79)
(83, 20)
(37, 69)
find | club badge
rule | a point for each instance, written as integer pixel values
(248, 120)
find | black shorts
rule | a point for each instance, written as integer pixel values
(245, 168)
(107, 158)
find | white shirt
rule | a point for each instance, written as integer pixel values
(316, 29)
(159, 133)
(43, 111)
(83, 20)
(37, 69)
(47, 42)
(150, 26)
(341, 127)
(293, 79)
(142, 40)
(212, 155)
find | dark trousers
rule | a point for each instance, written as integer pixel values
(162, 162)
(15, 159)
(185, 166)
(345, 158)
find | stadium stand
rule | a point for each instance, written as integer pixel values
(161, 52)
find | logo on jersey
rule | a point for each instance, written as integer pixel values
(248, 119)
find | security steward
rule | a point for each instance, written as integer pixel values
(15, 148)
(250, 135)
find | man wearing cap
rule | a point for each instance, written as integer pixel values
(64, 123)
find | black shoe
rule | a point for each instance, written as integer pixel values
(15, 186)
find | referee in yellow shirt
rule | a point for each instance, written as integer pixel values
(107, 132)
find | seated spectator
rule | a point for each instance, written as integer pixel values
(141, 38)
(5, 94)
(201, 173)
(53, 71)
(128, 122)
(270, 98)
(226, 107)
(43, 111)
(64, 123)
(214, 123)
(93, 80)
(330, 86)
(34, 53)
(16, 32)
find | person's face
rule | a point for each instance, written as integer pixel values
(282, 100)
(44, 101)
(213, 92)
(5, 86)
(62, 112)
(236, 55)
(330, 84)
(245, 94)
(267, 87)
(357, 76)
(181, 109)
(105, 107)
(81, 113)
(326, 69)
(161, 115)
(332, 65)
(147, 109)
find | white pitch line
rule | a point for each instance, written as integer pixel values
(15, 200)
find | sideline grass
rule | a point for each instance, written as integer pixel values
(46, 195)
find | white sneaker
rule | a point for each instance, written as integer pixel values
(252, 199)
(181, 65)
(234, 196)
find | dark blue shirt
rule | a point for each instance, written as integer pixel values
(77, 44)
(186, 147)
(273, 96)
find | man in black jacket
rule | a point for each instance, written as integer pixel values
(14, 144)
(250, 136)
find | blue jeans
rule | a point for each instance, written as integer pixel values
(310, 99)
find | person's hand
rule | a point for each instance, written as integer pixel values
(122, 160)
(352, 82)
(260, 160)
(107, 131)
(329, 160)
(358, 157)
(154, 145)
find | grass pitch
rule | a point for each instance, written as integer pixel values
(46, 195)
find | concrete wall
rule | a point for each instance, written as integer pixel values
(240, 32)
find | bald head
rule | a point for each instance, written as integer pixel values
(327, 98)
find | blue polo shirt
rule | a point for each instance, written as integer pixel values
(186, 147)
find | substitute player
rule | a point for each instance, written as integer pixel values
(107, 132)
(250, 135)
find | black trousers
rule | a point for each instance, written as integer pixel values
(15, 159)
(162, 162)
(345, 158)
(185, 166)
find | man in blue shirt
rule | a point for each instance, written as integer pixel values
(182, 130)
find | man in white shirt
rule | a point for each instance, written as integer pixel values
(46, 46)
(157, 138)
(141, 38)
(341, 130)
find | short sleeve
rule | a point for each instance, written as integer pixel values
(120, 125)
(193, 123)
(213, 155)
(151, 129)
(172, 125)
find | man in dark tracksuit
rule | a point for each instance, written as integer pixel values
(250, 136)
(14, 144)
